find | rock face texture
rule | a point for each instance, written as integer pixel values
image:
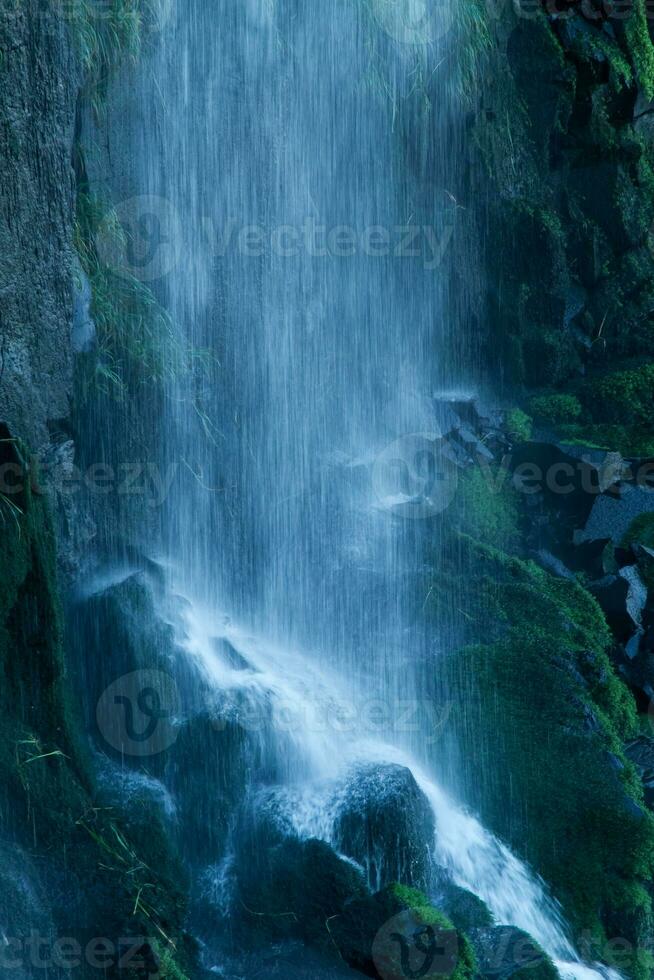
(39, 74)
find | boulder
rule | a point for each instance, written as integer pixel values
(206, 771)
(612, 515)
(623, 598)
(504, 951)
(386, 824)
(294, 888)
(464, 909)
(397, 933)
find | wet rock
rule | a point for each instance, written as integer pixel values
(206, 770)
(229, 654)
(120, 637)
(24, 912)
(464, 909)
(386, 824)
(397, 932)
(641, 753)
(294, 888)
(553, 564)
(623, 598)
(504, 951)
(611, 516)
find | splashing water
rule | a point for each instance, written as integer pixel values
(302, 696)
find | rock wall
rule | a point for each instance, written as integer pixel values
(40, 76)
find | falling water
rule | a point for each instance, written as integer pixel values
(299, 158)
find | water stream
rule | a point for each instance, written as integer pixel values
(299, 157)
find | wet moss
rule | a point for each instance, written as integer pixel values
(131, 888)
(518, 425)
(640, 46)
(544, 717)
(556, 409)
(360, 930)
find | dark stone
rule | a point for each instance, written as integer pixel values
(611, 516)
(464, 909)
(230, 654)
(623, 598)
(381, 934)
(386, 824)
(504, 951)
(293, 888)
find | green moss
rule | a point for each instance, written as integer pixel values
(137, 342)
(486, 506)
(622, 397)
(556, 409)
(107, 35)
(640, 46)
(357, 929)
(541, 703)
(518, 425)
(45, 769)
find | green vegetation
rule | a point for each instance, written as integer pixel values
(518, 425)
(137, 342)
(640, 46)
(540, 701)
(107, 34)
(45, 771)
(487, 507)
(622, 397)
(556, 409)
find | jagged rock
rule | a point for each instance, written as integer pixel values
(623, 598)
(612, 515)
(386, 824)
(554, 564)
(228, 653)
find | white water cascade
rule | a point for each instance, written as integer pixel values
(299, 158)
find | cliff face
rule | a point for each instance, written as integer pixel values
(39, 76)
(560, 156)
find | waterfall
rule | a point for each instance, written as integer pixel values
(293, 164)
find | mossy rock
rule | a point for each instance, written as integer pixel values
(72, 848)
(504, 951)
(388, 934)
(541, 703)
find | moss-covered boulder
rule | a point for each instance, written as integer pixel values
(397, 931)
(540, 702)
